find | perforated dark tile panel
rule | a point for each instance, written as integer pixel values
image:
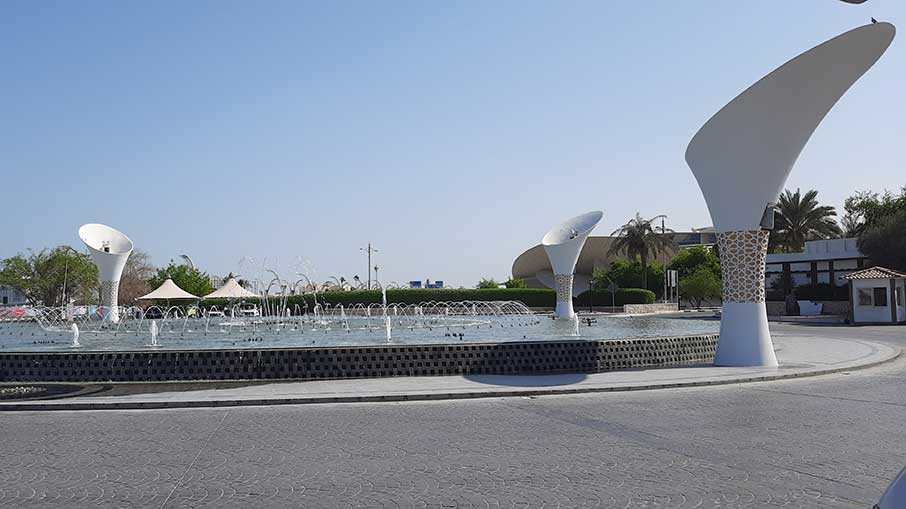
(359, 362)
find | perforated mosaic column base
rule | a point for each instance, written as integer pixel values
(745, 338)
(110, 299)
(564, 286)
(742, 264)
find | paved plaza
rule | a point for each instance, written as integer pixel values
(828, 441)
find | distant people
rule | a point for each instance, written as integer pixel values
(791, 305)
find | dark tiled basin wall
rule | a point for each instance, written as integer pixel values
(359, 362)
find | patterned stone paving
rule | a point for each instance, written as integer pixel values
(828, 442)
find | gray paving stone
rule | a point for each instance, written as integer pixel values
(828, 442)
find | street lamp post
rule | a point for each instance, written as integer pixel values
(65, 275)
(369, 250)
(376, 279)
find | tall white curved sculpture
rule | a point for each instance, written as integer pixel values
(563, 244)
(109, 249)
(741, 159)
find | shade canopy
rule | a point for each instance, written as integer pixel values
(231, 290)
(168, 291)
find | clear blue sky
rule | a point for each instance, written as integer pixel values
(436, 130)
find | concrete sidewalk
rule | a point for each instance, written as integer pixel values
(799, 356)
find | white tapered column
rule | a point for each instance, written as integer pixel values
(742, 267)
(741, 159)
(563, 244)
(109, 249)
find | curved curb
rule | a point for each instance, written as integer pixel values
(438, 396)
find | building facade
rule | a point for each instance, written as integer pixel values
(534, 267)
(10, 296)
(821, 262)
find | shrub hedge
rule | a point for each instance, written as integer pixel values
(531, 297)
(621, 297)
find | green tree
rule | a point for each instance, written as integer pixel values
(687, 261)
(43, 276)
(136, 274)
(851, 225)
(884, 241)
(868, 208)
(800, 218)
(641, 238)
(514, 282)
(630, 274)
(191, 280)
(700, 285)
(487, 283)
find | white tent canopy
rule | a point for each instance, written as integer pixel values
(231, 290)
(168, 291)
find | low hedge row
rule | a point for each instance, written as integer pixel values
(531, 297)
(619, 298)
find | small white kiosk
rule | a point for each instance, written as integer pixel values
(876, 295)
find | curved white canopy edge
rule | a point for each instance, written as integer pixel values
(742, 156)
(109, 249)
(564, 242)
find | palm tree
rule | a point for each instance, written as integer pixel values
(800, 218)
(640, 238)
(851, 224)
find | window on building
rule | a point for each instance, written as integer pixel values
(865, 297)
(880, 296)
(800, 279)
(6, 300)
(899, 296)
(846, 264)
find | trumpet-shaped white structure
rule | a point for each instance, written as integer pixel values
(741, 159)
(563, 245)
(109, 249)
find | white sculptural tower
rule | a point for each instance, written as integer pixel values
(109, 249)
(563, 245)
(741, 159)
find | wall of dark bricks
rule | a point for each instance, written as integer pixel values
(578, 356)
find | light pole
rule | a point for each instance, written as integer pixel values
(369, 250)
(376, 279)
(66, 273)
